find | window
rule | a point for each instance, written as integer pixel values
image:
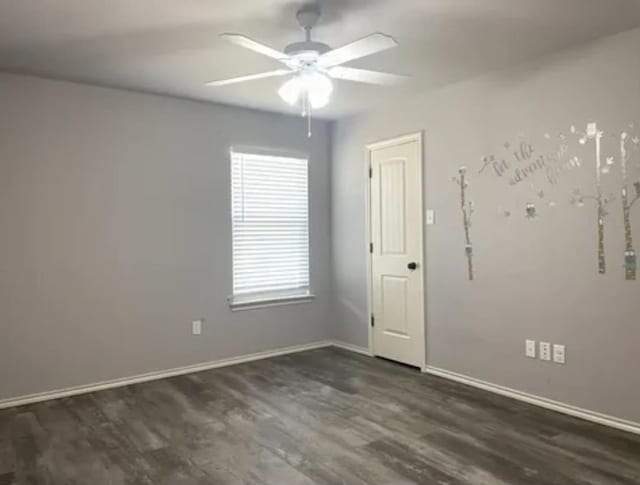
(270, 224)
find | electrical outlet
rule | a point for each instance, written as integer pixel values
(545, 351)
(559, 354)
(530, 348)
(196, 327)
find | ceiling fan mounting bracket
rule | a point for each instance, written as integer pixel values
(308, 17)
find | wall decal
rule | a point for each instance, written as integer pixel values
(602, 201)
(520, 162)
(531, 211)
(517, 161)
(630, 263)
(595, 135)
(467, 211)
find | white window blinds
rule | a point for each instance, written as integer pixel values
(270, 222)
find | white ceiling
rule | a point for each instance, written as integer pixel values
(171, 46)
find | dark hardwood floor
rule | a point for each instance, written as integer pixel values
(320, 417)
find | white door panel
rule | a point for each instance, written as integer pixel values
(394, 306)
(396, 235)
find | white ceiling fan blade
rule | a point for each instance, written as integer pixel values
(246, 42)
(366, 76)
(250, 77)
(360, 48)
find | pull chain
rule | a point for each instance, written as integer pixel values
(308, 119)
(306, 112)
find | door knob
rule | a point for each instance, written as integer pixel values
(412, 266)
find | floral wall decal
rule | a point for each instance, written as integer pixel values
(595, 135)
(628, 200)
(467, 211)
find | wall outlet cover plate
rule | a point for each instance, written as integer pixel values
(530, 349)
(559, 356)
(545, 351)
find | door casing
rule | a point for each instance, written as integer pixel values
(417, 137)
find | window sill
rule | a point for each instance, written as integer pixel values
(253, 304)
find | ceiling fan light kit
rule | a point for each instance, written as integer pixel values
(311, 87)
(313, 65)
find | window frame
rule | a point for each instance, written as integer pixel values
(276, 298)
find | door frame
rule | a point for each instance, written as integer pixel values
(417, 137)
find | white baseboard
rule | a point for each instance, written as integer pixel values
(152, 376)
(560, 407)
(487, 386)
(353, 348)
(163, 374)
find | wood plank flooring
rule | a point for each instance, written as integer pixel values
(325, 416)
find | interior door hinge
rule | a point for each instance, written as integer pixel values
(370, 172)
(373, 321)
(371, 247)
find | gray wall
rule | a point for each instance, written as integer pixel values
(114, 211)
(115, 234)
(535, 278)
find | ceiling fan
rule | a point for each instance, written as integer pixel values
(312, 65)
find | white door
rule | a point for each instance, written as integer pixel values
(397, 270)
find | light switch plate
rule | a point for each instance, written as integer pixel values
(530, 348)
(559, 354)
(431, 217)
(545, 351)
(196, 327)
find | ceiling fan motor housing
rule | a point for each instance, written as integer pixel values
(305, 48)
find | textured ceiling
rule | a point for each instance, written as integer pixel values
(172, 46)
